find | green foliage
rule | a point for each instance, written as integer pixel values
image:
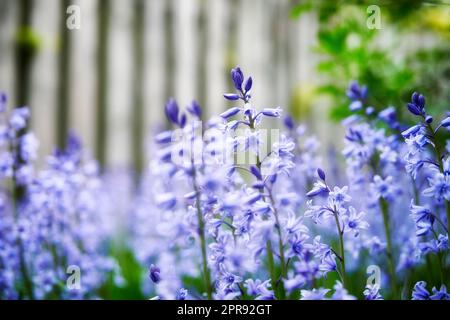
(131, 272)
(349, 51)
(28, 40)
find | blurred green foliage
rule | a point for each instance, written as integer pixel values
(409, 53)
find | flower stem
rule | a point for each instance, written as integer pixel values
(280, 236)
(271, 265)
(384, 206)
(27, 282)
(280, 293)
(341, 246)
(201, 231)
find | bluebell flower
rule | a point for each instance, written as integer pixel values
(248, 84)
(6, 164)
(28, 147)
(427, 247)
(328, 263)
(372, 292)
(321, 174)
(443, 242)
(445, 122)
(172, 110)
(417, 104)
(294, 224)
(3, 101)
(289, 122)
(271, 112)
(314, 294)
(195, 109)
(181, 294)
(260, 289)
(389, 116)
(298, 246)
(238, 77)
(439, 187)
(339, 195)
(354, 221)
(340, 293)
(356, 92)
(384, 188)
(315, 212)
(230, 112)
(166, 200)
(231, 96)
(154, 273)
(420, 291)
(356, 105)
(164, 137)
(423, 219)
(319, 188)
(440, 294)
(412, 130)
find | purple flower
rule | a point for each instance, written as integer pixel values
(19, 117)
(372, 292)
(446, 122)
(417, 104)
(231, 96)
(339, 195)
(194, 109)
(420, 291)
(423, 219)
(155, 273)
(439, 187)
(314, 294)
(318, 188)
(238, 77)
(272, 112)
(289, 122)
(354, 221)
(181, 294)
(321, 174)
(356, 92)
(248, 84)
(172, 110)
(328, 263)
(230, 112)
(440, 294)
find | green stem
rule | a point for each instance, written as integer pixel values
(278, 290)
(27, 282)
(440, 260)
(280, 236)
(384, 206)
(201, 231)
(341, 245)
(271, 265)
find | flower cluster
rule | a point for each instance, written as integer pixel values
(51, 220)
(246, 215)
(235, 208)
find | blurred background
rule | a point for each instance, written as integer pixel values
(108, 80)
